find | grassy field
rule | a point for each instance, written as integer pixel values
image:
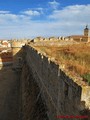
(76, 57)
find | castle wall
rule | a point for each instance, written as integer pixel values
(61, 94)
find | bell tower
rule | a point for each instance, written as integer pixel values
(87, 34)
(86, 31)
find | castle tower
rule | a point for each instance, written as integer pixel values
(87, 34)
(17, 50)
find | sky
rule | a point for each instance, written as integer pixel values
(32, 18)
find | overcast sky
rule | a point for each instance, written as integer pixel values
(32, 18)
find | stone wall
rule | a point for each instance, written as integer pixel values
(33, 107)
(61, 94)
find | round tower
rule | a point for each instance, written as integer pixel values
(17, 50)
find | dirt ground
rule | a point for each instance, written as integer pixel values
(9, 94)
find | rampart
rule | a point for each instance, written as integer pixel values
(61, 94)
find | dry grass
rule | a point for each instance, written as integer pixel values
(76, 57)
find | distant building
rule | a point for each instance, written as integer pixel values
(81, 38)
(5, 43)
(53, 38)
(38, 39)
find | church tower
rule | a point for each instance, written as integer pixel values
(86, 31)
(87, 34)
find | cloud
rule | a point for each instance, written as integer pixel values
(40, 9)
(72, 18)
(4, 12)
(75, 13)
(66, 21)
(31, 12)
(8, 19)
(54, 4)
